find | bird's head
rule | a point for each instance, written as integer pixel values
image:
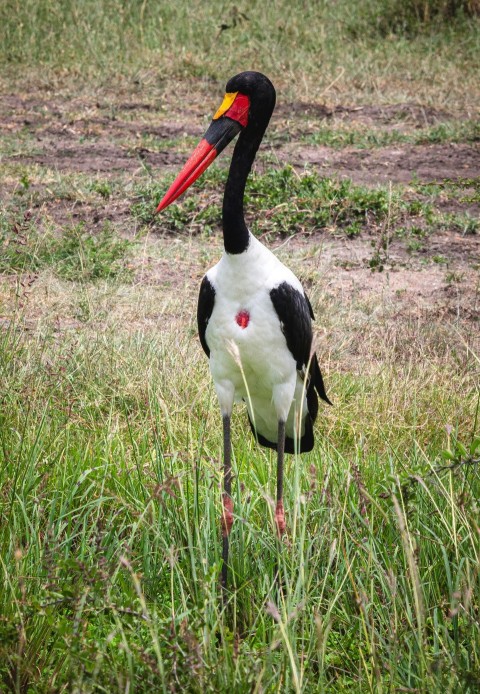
(247, 105)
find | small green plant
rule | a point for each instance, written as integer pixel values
(376, 262)
(468, 225)
(103, 188)
(24, 182)
(454, 277)
(461, 223)
(465, 190)
(457, 455)
(414, 245)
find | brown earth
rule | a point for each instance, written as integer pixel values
(87, 140)
(398, 164)
(86, 136)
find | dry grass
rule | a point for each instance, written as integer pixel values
(317, 54)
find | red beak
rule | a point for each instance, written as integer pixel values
(217, 137)
(201, 158)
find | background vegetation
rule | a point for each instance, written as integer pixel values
(316, 48)
(109, 431)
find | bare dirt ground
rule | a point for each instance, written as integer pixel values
(120, 138)
(396, 164)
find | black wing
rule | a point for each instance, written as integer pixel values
(317, 380)
(206, 301)
(295, 313)
(309, 307)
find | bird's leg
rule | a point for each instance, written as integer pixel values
(279, 511)
(227, 510)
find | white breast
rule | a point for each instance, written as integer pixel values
(252, 363)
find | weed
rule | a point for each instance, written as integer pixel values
(103, 188)
(462, 223)
(414, 245)
(462, 189)
(454, 277)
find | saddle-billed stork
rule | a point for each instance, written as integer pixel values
(254, 319)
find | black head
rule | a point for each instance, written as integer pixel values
(245, 110)
(261, 93)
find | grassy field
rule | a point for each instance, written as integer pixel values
(367, 186)
(420, 50)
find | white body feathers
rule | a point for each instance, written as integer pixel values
(253, 363)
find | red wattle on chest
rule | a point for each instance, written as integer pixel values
(242, 319)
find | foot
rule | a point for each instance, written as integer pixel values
(227, 515)
(280, 518)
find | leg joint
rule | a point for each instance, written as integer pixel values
(227, 515)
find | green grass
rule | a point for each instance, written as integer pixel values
(465, 190)
(75, 254)
(110, 436)
(340, 136)
(283, 201)
(341, 52)
(110, 505)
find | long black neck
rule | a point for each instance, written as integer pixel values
(235, 231)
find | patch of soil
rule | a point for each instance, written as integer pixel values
(78, 136)
(425, 293)
(91, 137)
(85, 139)
(456, 247)
(405, 289)
(101, 158)
(407, 113)
(65, 213)
(399, 164)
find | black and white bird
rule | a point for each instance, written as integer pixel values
(254, 319)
